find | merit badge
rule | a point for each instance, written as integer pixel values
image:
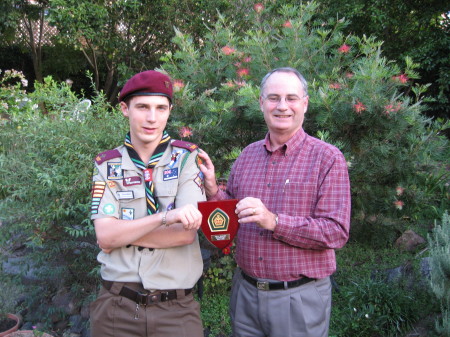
(169, 174)
(175, 156)
(219, 222)
(148, 174)
(114, 171)
(131, 181)
(127, 213)
(111, 184)
(109, 209)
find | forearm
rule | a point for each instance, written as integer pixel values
(114, 233)
(167, 237)
(312, 233)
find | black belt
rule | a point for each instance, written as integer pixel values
(143, 298)
(265, 285)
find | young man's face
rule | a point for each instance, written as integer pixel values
(148, 117)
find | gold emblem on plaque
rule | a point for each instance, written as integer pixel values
(218, 220)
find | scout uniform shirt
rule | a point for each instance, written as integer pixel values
(119, 191)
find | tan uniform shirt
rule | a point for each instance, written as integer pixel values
(119, 191)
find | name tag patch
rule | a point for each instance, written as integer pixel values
(121, 195)
(170, 174)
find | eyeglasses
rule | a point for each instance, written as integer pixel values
(289, 99)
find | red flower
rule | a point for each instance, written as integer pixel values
(226, 250)
(335, 85)
(344, 49)
(287, 24)
(227, 50)
(402, 78)
(359, 107)
(185, 131)
(390, 108)
(247, 59)
(399, 204)
(399, 190)
(349, 75)
(258, 7)
(178, 85)
(229, 84)
(242, 72)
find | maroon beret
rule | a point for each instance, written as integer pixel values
(147, 83)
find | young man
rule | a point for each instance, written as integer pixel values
(144, 207)
(294, 210)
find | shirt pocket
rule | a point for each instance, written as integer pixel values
(132, 203)
(166, 192)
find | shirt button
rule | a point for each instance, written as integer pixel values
(268, 185)
(260, 258)
(274, 162)
(261, 233)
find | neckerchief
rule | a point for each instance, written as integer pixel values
(152, 202)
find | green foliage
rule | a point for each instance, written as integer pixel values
(220, 274)
(357, 100)
(374, 308)
(418, 29)
(439, 244)
(46, 158)
(214, 313)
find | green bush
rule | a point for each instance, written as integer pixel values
(439, 244)
(46, 155)
(358, 101)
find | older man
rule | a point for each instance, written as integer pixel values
(294, 210)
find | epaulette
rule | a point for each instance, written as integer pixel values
(185, 145)
(107, 155)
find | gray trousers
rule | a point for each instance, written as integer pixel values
(303, 311)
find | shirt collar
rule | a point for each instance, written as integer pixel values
(294, 143)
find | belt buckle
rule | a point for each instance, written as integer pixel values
(262, 285)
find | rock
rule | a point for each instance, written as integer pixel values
(409, 241)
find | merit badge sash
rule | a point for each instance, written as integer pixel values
(220, 222)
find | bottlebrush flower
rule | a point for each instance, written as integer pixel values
(402, 78)
(390, 108)
(335, 85)
(178, 85)
(344, 49)
(287, 24)
(359, 107)
(242, 72)
(247, 59)
(185, 131)
(399, 190)
(227, 50)
(349, 75)
(399, 204)
(258, 7)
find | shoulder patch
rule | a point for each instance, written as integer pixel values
(107, 155)
(185, 145)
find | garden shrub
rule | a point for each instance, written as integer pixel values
(439, 244)
(363, 103)
(46, 162)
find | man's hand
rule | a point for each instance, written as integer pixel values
(188, 215)
(253, 210)
(207, 168)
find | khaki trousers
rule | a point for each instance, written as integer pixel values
(112, 315)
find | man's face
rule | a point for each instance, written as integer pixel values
(148, 117)
(284, 104)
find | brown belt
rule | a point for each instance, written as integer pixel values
(264, 285)
(143, 298)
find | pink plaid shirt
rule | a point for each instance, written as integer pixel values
(306, 183)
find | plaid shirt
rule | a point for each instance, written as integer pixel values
(306, 183)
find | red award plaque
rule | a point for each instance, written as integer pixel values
(220, 222)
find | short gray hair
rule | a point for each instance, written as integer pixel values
(286, 70)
